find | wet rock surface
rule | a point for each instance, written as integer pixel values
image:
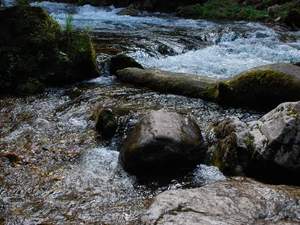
(168, 82)
(106, 123)
(236, 201)
(262, 88)
(162, 142)
(63, 172)
(267, 147)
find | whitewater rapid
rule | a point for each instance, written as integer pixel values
(218, 49)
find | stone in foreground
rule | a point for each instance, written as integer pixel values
(269, 146)
(235, 202)
(162, 143)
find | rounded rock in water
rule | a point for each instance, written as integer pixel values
(162, 143)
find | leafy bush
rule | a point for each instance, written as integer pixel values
(223, 9)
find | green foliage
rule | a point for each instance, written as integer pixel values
(224, 9)
(35, 52)
(285, 11)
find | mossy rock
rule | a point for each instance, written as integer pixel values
(267, 149)
(262, 87)
(34, 48)
(231, 155)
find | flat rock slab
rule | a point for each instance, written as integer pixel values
(168, 82)
(233, 202)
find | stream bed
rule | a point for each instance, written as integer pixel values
(59, 172)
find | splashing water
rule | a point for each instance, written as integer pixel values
(204, 174)
(197, 46)
(229, 57)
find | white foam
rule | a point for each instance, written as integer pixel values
(108, 18)
(228, 57)
(204, 174)
(232, 47)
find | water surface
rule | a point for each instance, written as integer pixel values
(216, 49)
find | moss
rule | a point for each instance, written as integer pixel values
(225, 155)
(249, 141)
(293, 112)
(34, 49)
(228, 155)
(261, 89)
(220, 9)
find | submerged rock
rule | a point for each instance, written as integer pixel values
(35, 53)
(106, 123)
(268, 147)
(263, 87)
(236, 201)
(121, 61)
(161, 143)
(168, 82)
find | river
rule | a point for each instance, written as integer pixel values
(62, 173)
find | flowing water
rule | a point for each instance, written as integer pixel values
(191, 46)
(59, 172)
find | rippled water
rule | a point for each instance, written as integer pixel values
(190, 46)
(63, 175)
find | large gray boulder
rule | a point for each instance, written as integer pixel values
(162, 142)
(272, 140)
(233, 202)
